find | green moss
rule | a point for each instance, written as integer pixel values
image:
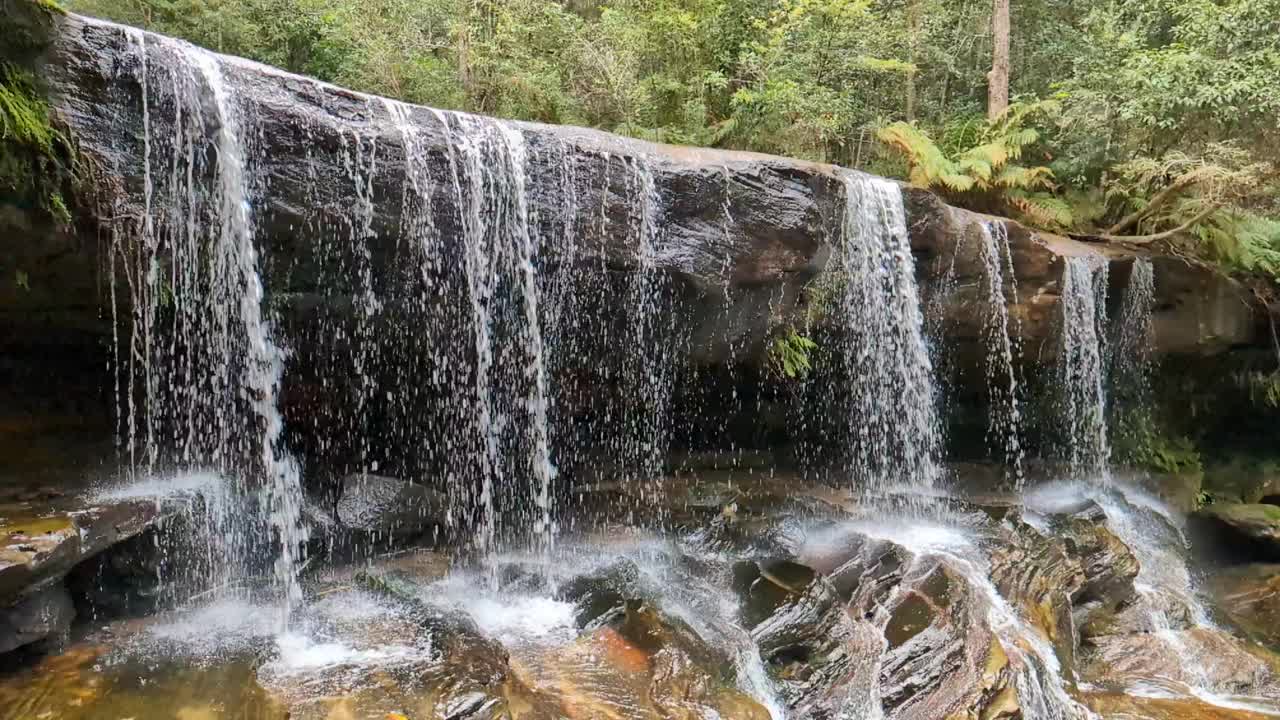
(1141, 443)
(36, 160)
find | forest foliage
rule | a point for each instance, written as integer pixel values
(1147, 121)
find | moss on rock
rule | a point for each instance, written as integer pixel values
(36, 160)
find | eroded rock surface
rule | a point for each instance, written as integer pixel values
(743, 232)
(1254, 529)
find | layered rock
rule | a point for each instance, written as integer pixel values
(39, 549)
(743, 232)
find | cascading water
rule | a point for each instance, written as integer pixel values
(894, 427)
(1209, 663)
(1004, 429)
(1130, 358)
(202, 363)
(1082, 367)
(487, 169)
(646, 377)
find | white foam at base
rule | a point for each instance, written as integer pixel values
(298, 653)
(154, 487)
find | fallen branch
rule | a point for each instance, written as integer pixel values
(1156, 237)
(1159, 200)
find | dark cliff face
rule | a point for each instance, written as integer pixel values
(336, 174)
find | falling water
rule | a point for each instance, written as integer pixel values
(202, 362)
(487, 167)
(1082, 367)
(646, 376)
(1130, 357)
(894, 426)
(1004, 429)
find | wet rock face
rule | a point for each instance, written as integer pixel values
(1250, 597)
(43, 613)
(741, 233)
(812, 646)
(37, 552)
(378, 504)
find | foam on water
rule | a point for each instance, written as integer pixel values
(159, 487)
(224, 626)
(506, 616)
(300, 654)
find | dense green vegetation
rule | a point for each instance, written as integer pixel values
(36, 160)
(1153, 121)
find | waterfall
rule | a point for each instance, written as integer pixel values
(1130, 357)
(647, 376)
(487, 162)
(1004, 429)
(893, 425)
(1082, 367)
(201, 384)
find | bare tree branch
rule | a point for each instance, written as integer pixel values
(1148, 239)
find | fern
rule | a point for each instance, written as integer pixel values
(1242, 240)
(981, 168)
(790, 355)
(1043, 209)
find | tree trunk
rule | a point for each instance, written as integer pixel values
(913, 36)
(998, 78)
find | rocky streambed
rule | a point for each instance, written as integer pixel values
(739, 600)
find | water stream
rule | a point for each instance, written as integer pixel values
(1004, 430)
(893, 424)
(1082, 367)
(462, 325)
(203, 365)
(1131, 355)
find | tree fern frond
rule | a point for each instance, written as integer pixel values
(928, 164)
(1024, 178)
(1043, 209)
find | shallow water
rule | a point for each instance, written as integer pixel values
(355, 652)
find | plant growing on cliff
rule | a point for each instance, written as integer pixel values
(983, 172)
(791, 355)
(1141, 442)
(36, 160)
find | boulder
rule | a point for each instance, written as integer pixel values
(379, 504)
(40, 549)
(1246, 531)
(37, 547)
(42, 613)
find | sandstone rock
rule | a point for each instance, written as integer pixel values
(1109, 566)
(1037, 573)
(1248, 529)
(812, 647)
(742, 232)
(37, 550)
(1199, 657)
(34, 548)
(379, 504)
(1250, 597)
(39, 614)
